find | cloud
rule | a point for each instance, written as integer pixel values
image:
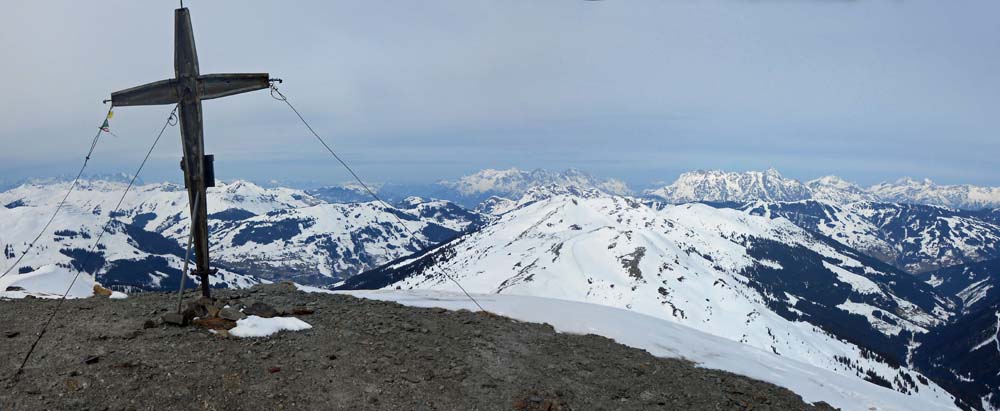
(427, 90)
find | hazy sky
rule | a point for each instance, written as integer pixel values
(424, 90)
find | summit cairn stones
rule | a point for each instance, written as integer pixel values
(177, 319)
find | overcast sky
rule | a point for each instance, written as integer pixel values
(414, 91)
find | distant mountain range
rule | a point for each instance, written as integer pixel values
(514, 183)
(882, 283)
(770, 185)
(696, 186)
(471, 190)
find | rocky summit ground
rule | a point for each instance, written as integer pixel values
(103, 354)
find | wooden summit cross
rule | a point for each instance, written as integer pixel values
(187, 89)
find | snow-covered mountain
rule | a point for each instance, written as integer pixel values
(496, 206)
(347, 193)
(721, 186)
(965, 354)
(971, 285)
(763, 282)
(839, 191)
(513, 183)
(908, 190)
(327, 243)
(130, 257)
(272, 233)
(990, 215)
(915, 238)
(472, 190)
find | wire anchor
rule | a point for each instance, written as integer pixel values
(90, 252)
(413, 236)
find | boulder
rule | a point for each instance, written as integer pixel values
(101, 291)
(231, 314)
(178, 319)
(260, 310)
(302, 311)
(196, 309)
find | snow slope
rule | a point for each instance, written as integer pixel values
(765, 283)
(47, 282)
(667, 339)
(965, 355)
(915, 238)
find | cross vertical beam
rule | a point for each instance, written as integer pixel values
(192, 136)
(187, 89)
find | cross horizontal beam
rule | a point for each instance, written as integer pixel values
(209, 86)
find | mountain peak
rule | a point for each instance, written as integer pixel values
(837, 190)
(721, 186)
(831, 180)
(513, 183)
(926, 191)
(553, 190)
(771, 186)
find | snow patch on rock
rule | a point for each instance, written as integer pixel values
(254, 326)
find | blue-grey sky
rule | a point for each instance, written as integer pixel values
(419, 91)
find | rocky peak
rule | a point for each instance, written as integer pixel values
(838, 190)
(513, 183)
(717, 185)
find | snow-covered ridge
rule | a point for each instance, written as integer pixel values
(720, 186)
(762, 282)
(666, 339)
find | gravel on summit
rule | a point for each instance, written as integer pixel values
(102, 354)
